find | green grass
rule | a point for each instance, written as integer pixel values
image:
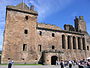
(22, 64)
(27, 64)
(3, 64)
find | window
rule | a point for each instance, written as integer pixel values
(26, 17)
(53, 47)
(83, 43)
(69, 42)
(79, 43)
(40, 48)
(24, 47)
(40, 33)
(74, 43)
(63, 42)
(26, 31)
(53, 35)
(87, 47)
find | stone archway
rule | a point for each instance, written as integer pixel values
(53, 60)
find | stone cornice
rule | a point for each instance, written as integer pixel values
(63, 31)
(21, 10)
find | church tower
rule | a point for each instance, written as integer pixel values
(19, 37)
(80, 24)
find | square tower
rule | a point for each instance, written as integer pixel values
(80, 24)
(20, 31)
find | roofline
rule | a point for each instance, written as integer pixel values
(63, 31)
(21, 10)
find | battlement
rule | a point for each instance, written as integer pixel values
(22, 7)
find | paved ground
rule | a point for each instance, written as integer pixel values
(36, 66)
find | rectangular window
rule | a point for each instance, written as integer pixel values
(83, 43)
(69, 42)
(63, 42)
(53, 35)
(26, 17)
(26, 31)
(87, 47)
(40, 48)
(53, 47)
(24, 47)
(79, 43)
(40, 33)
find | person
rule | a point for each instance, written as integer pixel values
(70, 64)
(62, 64)
(57, 62)
(88, 63)
(10, 62)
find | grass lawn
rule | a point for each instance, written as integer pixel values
(22, 64)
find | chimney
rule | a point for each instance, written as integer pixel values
(81, 17)
(32, 7)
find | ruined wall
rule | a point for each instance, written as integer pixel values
(46, 40)
(25, 40)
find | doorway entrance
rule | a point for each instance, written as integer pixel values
(53, 60)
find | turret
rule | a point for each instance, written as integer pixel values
(80, 24)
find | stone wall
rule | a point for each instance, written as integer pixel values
(15, 37)
(25, 39)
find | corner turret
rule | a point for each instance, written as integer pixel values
(80, 24)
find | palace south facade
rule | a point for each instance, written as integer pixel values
(26, 41)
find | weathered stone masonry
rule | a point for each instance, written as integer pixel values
(26, 41)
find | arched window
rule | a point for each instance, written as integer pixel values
(63, 42)
(74, 43)
(79, 43)
(69, 42)
(83, 43)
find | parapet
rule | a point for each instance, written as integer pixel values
(79, 18)
(22, 7)
(69, 27)
(48, 26)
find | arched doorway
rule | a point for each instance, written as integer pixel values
(53, 60)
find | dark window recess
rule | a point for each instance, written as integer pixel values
(69, 42)
(26, 31)
(63, 42)
(74, 43)
(24, 47)
(53, 35)
(79, 43)
(40, 33)
(26, 17)
(87, 47)
(53, 47)
(83, 42)
(40, 48)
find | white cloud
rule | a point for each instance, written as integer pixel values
(44, 8)
(47, 7)
(3, 4)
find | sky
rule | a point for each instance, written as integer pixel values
(56, 12)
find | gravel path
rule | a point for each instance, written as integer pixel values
(34, 66)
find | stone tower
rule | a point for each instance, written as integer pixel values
(80, 24)
(20, 30)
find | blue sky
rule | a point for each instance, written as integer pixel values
(57, 12)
